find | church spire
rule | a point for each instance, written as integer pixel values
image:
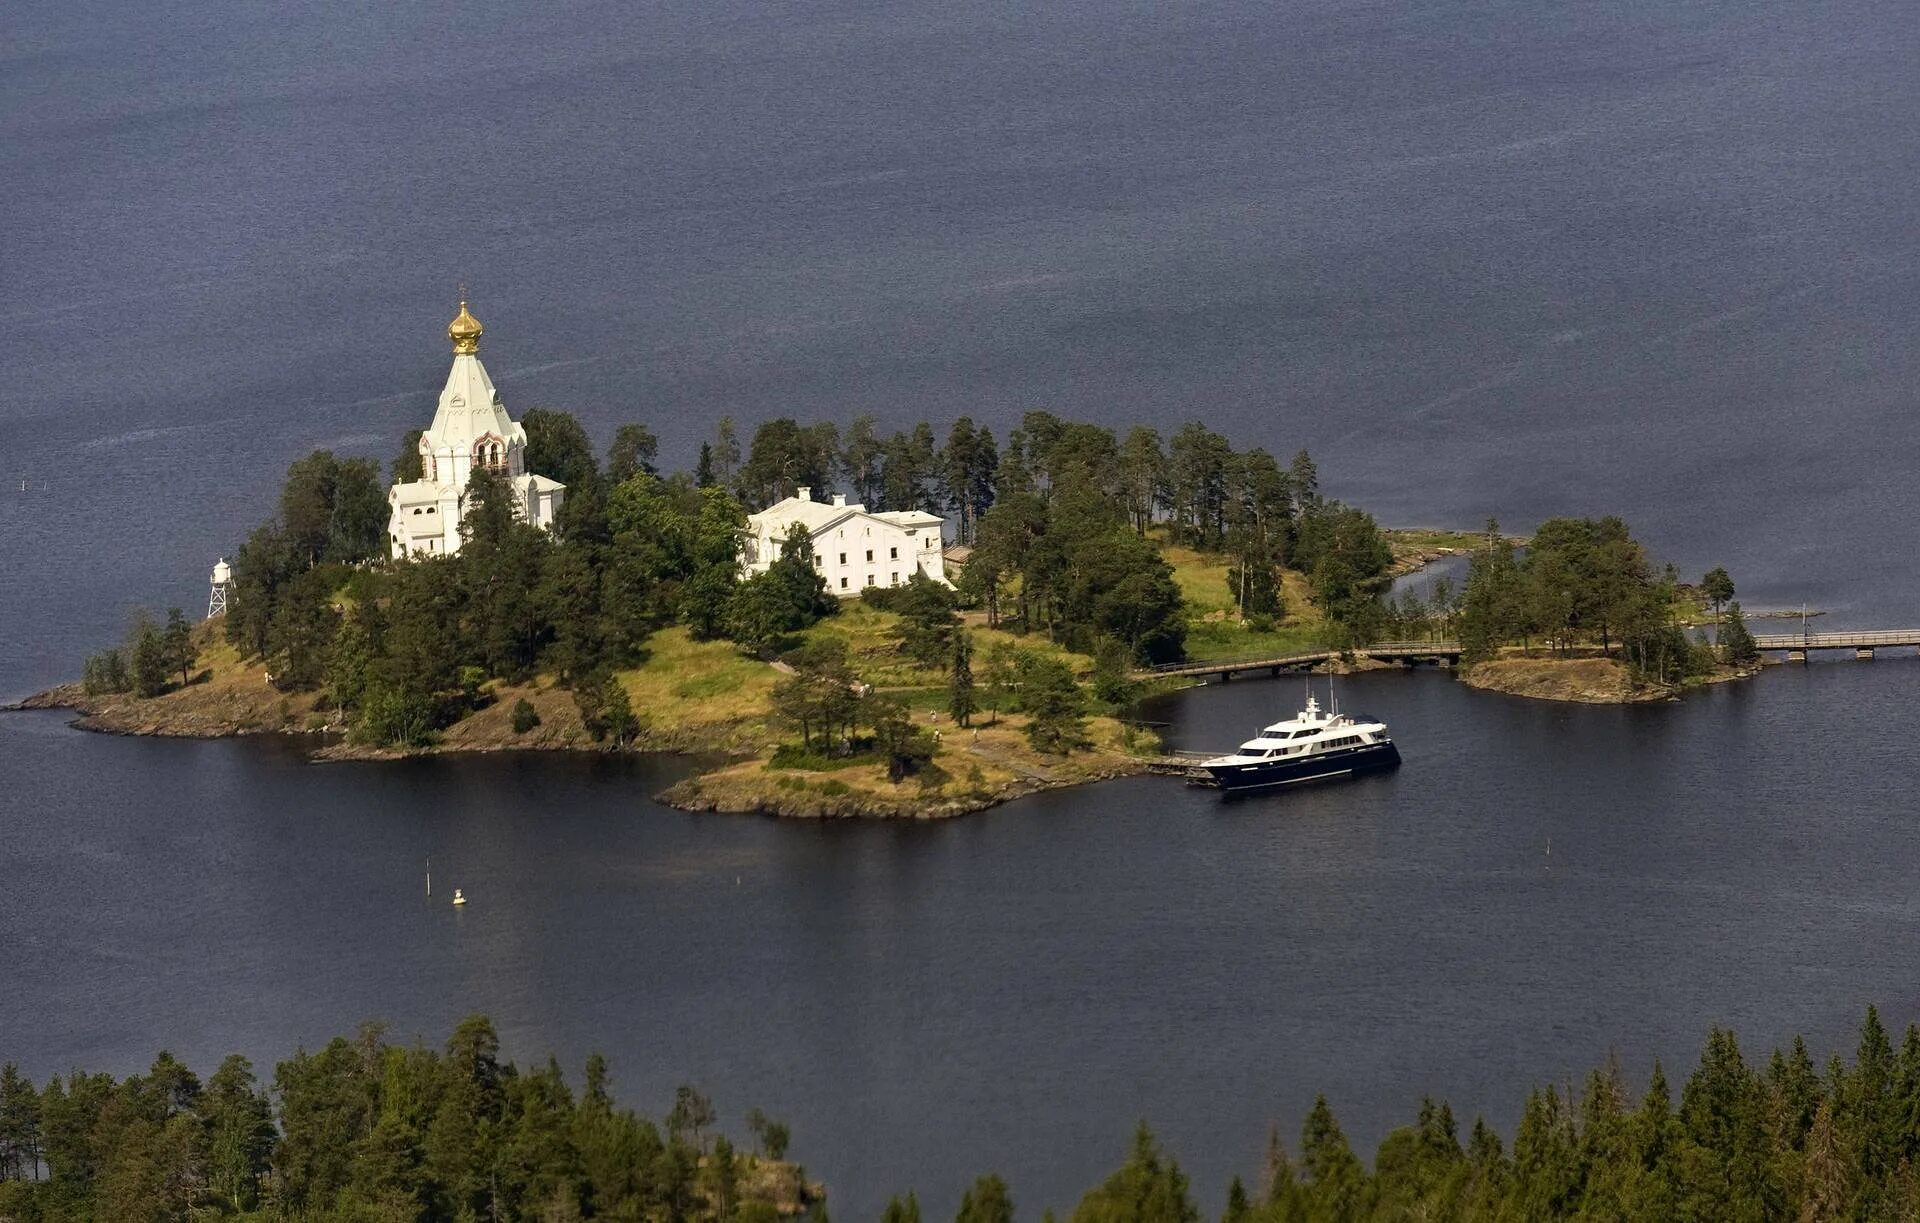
(464, 330)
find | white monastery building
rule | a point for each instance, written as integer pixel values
(852, 548)
(470, 429)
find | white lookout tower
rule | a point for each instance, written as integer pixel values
(222, 583)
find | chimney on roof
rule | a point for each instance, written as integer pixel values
(804, 493)
(839, 501)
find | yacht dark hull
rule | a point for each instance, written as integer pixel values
(1322, 766)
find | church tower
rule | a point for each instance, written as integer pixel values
(470, 429)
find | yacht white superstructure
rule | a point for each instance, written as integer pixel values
(1312, 745)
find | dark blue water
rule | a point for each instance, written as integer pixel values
(1538, 886)
(1482, 256)
(1494, 257)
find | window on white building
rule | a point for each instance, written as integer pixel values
(843, 558)
(869, 555)
(843, 583)
(893, 554)
(869, 579)
(896, 577)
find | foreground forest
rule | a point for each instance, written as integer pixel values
(366, 1130)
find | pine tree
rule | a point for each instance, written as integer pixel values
(1737, 646)
(726, 450)
(151, 663)
(1279, 1188)
(961, 701)
(986, 1201)
(19, 1125)
(1826, 1190)
(632, 453)
(928, 625)
(1717, 586)
(1336, 1183)
(1149, 1188)
(901, 1210)
(106, 672)
(178, 638)
(1239, 1209)
(240, 1133)
(1546, 1163)
(1056, 708)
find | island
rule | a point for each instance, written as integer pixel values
(841, 623)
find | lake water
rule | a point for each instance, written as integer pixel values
(1482, 256)
(1538, 886)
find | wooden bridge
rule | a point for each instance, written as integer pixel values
(1863, 644)
(1411, 653)
(1796, 646)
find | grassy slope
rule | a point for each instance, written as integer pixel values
(229, 695)
(1213, 626)
(701, 693)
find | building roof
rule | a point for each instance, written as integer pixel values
(470, 408)
(818, 516)
(418, 492)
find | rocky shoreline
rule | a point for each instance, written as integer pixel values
(1585, 681)
(701, 793)
(998, 766)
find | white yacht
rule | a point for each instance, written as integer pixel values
(1313, 746)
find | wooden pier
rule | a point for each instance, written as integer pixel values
(1797, 646)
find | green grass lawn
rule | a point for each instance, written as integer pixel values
(1213, 624)
(688, 682)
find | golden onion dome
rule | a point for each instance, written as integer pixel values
(464, 331)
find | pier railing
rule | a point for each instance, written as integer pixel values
(1864, 640)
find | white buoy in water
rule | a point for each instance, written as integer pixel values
(458, 898)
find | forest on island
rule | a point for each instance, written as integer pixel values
(1065, 522)
(367, 1130)
(1580, 583)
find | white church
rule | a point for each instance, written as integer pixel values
(853, 548)
(470, 429)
